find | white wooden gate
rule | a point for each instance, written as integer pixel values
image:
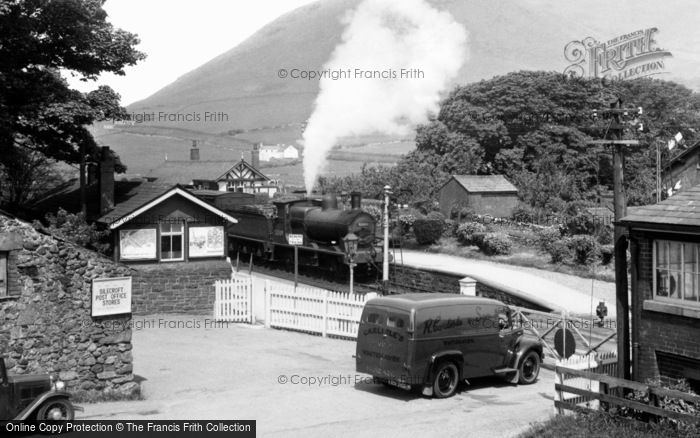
(234, 299)
(601, 363)
(313, 310)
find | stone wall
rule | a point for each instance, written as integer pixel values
(46, 326)
(177, 287)
(405, 279)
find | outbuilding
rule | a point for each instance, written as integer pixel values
(491, 195)
(664, 244)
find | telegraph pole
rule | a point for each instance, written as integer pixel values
(614, 138)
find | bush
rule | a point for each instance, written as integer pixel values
(450, 228)
(606, 254)
(406, 221)
(581, 223)
(585, 249)
(559, 251)
(465, 232)
(496, 244)
(436, 215)
(546, 237)
(427, 230)
(478, 239)
(605, 235)
(74, 228)
(375, 212)
(523, 213)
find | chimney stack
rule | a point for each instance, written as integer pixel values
(255, 155)
(106, 181)
(194, 152)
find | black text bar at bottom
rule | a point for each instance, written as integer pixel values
(131, 428)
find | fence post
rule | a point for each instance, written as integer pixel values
(603, 389)
(268, 313)
(249, 294)
(558, 379)
(325, 313)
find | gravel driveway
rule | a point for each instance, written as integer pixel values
(295, 384)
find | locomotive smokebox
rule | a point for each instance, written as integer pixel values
(329, 202)
(355, 200)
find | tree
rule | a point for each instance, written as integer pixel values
(25, 174)
(38, 110)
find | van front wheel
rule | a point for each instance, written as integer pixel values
(446, 380)
(529, 368)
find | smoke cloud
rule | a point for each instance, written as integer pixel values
(385, 76)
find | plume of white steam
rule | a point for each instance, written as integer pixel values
(388, 36)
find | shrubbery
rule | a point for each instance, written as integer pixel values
(523, 213)
(465, 232)
(496, 244)
(427, 230)
(581, 223)
(607, 253)
(74, 228)
(449, 228)
(406, 222)
(546, 237)
(375, 212)
(559, 251)
(585, 249)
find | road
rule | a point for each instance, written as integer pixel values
(234, 372)
(554, 290)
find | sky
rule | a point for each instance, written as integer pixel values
(179, 36)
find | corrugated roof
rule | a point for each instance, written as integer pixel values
(138, 196)
(485, 183)
(680, 209)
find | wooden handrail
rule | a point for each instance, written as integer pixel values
(631, 404)
(615, 382)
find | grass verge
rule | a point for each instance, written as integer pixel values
(603, 425)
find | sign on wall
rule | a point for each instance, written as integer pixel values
(137, 244)
(206, 241)
(111, 296)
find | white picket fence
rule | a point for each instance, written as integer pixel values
(601, 363)
(313, 310)
(234, 299)
(306, 309)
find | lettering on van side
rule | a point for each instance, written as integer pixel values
(458, 341)
(384, 331)
(377, 355)
(434, 325)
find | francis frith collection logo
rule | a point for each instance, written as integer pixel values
(628, 56)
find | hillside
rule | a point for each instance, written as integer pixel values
(505, 36)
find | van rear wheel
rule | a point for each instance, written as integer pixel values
(529, 368)
(446, 380)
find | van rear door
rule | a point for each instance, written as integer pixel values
(382, 343)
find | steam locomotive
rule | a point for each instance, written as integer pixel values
(321, 224)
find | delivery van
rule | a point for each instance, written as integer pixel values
(432, 341)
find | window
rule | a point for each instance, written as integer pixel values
(171, 245)
(3, 274)
(677, 272)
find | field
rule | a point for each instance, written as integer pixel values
(143, 148)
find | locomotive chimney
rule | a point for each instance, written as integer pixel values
(329, 202)
(355, 200)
